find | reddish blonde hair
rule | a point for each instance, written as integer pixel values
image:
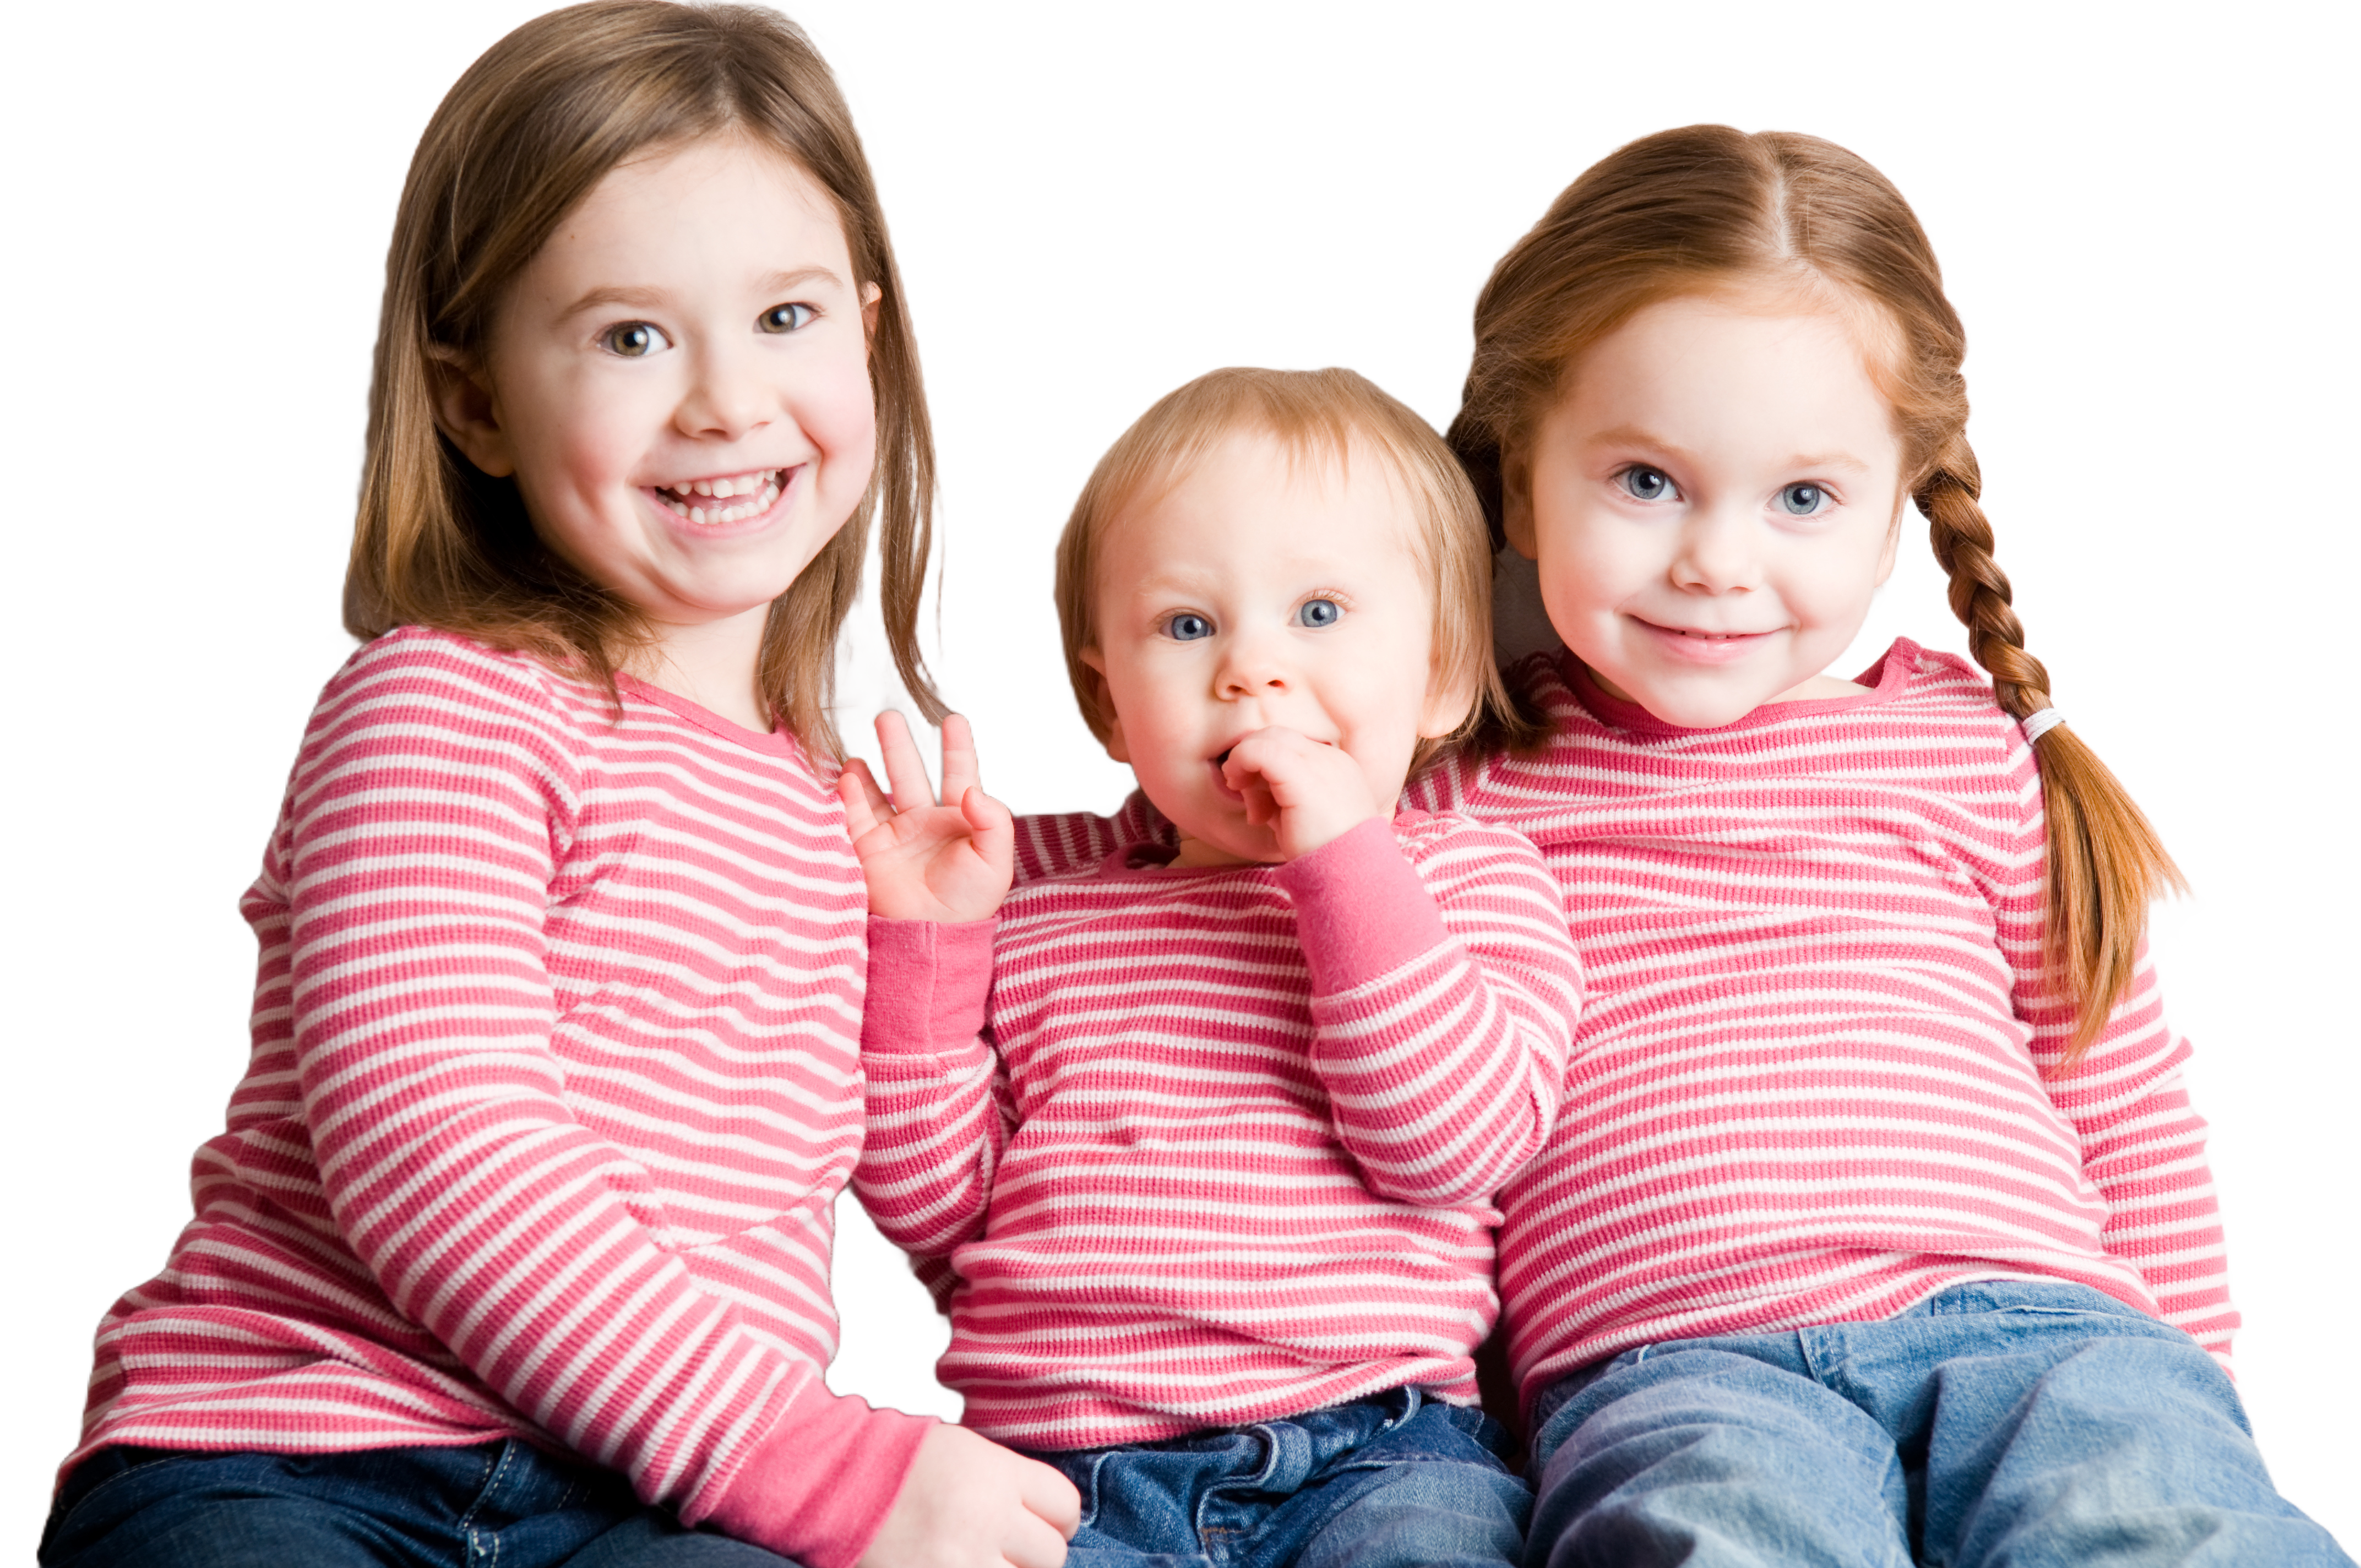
(1706, 209)
(525, 134)
(1317, 415)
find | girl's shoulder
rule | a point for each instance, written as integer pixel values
(427, 665)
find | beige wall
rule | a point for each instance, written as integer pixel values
(2148, 233)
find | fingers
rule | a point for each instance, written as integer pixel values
(959, 773)
(904, 769)
(1050, 1496)
(1034, 1542)
(865, 803)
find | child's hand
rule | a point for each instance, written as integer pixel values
(968, 1503)
(924, 861)
(1306, 793)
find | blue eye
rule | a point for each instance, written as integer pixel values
(1188, 626)
(1319, 612)
(1643, 483)
(1803, 500)
(786, 318)
(634, 340)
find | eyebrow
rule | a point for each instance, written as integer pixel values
(780, 282)
(1633, 435)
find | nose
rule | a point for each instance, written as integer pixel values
(1254, 664)
(727, 395)
(1717, 552)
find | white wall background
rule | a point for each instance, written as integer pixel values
(2146, 215)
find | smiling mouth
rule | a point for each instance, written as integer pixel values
(706, 502)
(1706, 636)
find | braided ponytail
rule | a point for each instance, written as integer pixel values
(2105, 862)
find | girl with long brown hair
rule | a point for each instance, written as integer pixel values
(516, 1245)
(1877, 1228)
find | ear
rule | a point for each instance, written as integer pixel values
(1096, 663)
(1517, 502)
(869, 296)
(1447, 706)
(465, 410)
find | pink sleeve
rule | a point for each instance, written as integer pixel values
(2143, 1143)
(818, 1489)
(431, 803)
(936, 1121)
(1444, 1000)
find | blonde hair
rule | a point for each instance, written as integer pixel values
(1707, 208)
(1316, 415)
(523, 136)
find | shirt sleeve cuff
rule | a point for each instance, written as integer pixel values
(927, 984)
(819, 1485)
(1360, 909)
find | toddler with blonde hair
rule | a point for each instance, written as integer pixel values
(1207, 1132)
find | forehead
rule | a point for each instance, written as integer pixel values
(1730, 365)
(1254, 497)
(721, 201)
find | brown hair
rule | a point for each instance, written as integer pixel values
(525, 134)
(1316, 415)
(1707, 208)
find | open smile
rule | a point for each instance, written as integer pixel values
(713, 502)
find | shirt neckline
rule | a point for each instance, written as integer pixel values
(778, 742)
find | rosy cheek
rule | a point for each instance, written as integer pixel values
(838, 413)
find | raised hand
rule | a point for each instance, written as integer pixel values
(1304, 792)
(966, 1502)
(925, 860)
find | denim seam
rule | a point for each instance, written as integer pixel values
(484, 1488)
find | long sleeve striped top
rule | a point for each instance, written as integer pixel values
(555, 1079)
(1242, 1159)
(1815, 1076)
(1817, 1079)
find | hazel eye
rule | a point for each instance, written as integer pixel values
(1804, 501)
(634, 340)
(1319, 612)
(1188, 626)
(786, 318)
(1643, 483)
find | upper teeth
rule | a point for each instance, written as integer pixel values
(766, 482)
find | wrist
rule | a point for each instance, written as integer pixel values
(1361, 910)
(1309, 836)
(928, 983)
(821, 1480)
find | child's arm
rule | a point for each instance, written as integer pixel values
(430, 810)
(937, 874)
(2143, 1145)
(1444, 996)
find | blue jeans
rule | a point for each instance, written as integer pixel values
(1397, 1481)
(498, 1502)
(2035, 1425)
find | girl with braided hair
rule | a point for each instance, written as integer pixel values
(1877, 1227)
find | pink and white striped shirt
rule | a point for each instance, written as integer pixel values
(1243, 1160)
(554, 1081)
(1815, 1078)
